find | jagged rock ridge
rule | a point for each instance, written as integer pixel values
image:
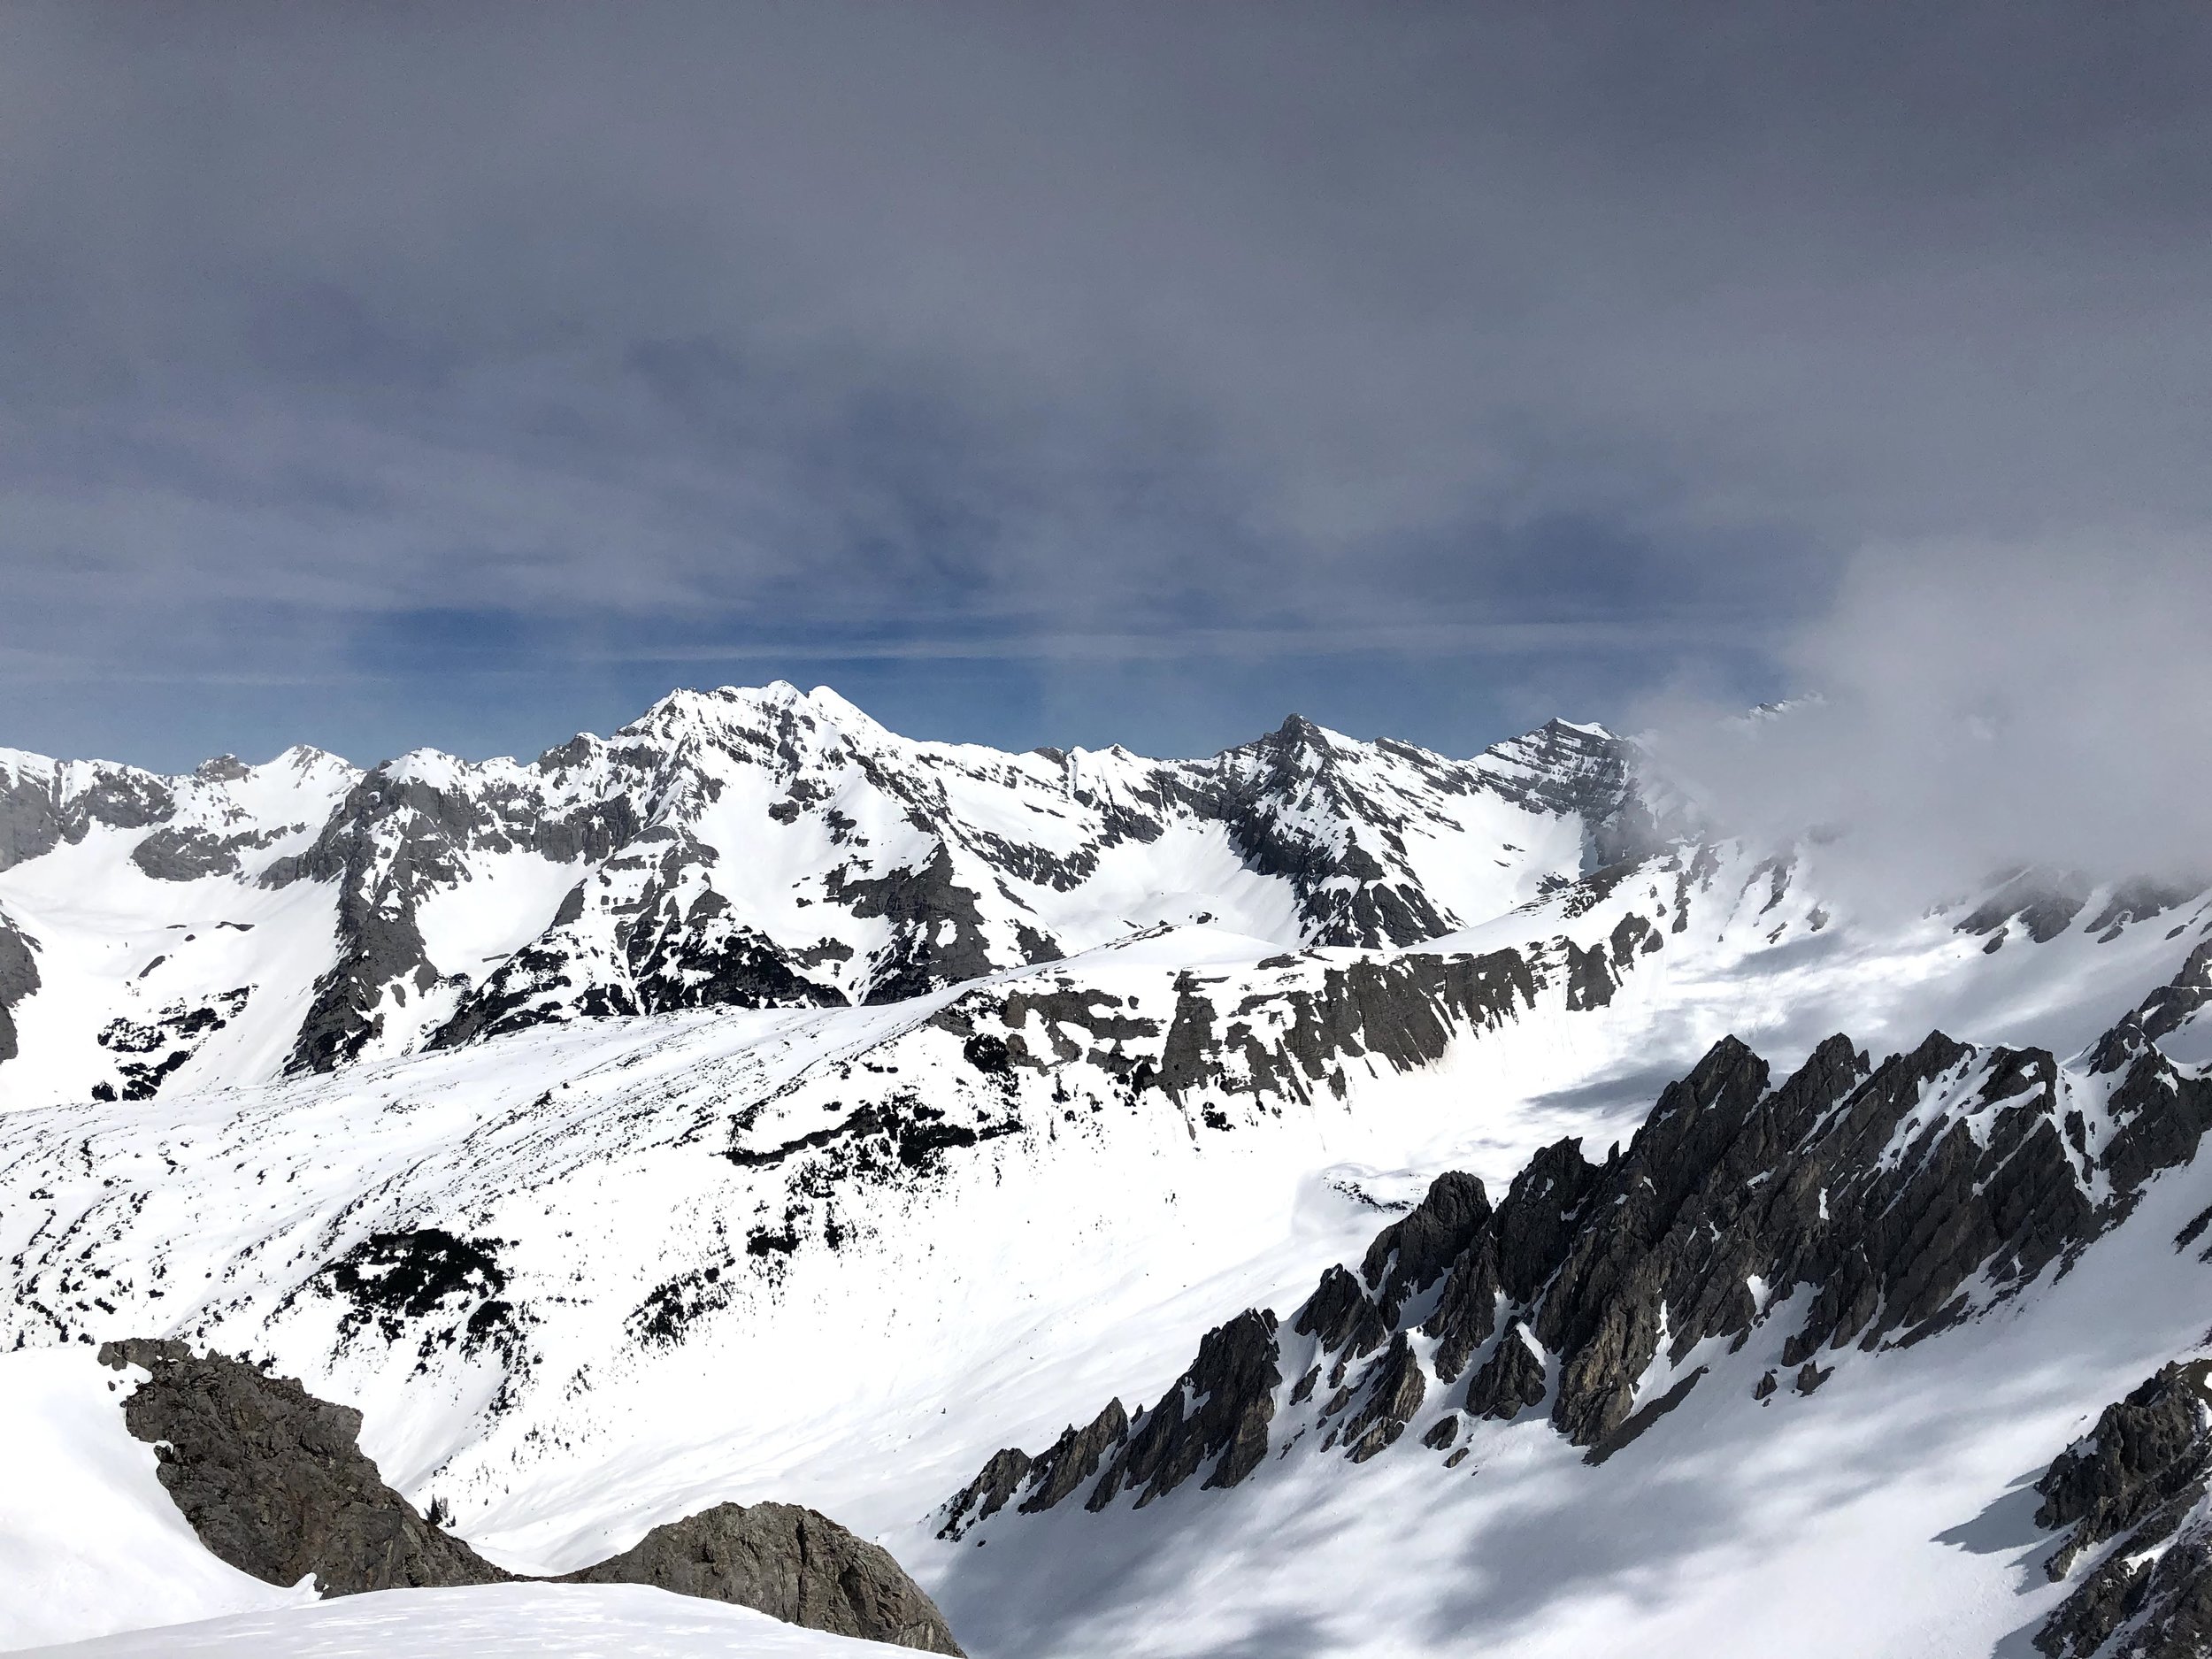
(774, 849)
(2137, 1483)
(768, 847)
(1872, 1205)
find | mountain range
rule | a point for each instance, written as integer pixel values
(745, 848)
(1328, 1198)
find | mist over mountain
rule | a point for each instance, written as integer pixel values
(1966, 709)
(1661, 1113)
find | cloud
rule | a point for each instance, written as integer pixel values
(1004, 326)
(1972, 707)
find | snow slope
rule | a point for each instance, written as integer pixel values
(735, 848)
(586, 1274)
(501, 1621)
(1884, 1508)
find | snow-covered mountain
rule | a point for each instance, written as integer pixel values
(743, 849)
(756, 1106)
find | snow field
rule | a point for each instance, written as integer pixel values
(495, 1621)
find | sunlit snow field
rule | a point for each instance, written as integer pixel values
(1023, 1290)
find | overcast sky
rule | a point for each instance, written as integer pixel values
(467, 375)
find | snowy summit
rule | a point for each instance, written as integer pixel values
(1329, 1197)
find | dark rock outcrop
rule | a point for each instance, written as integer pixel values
(1411, 1254)
(792, 1564)
(2145, 1451)
(674, 947)
(936, 928)
(1217, 1412)
(1511, 1380)
(2139, 1478)
(19, 978)
(1395, 1385)
(442, 1290)
(2136, 901)
(147, 1052)
(986, 1496)
(1074, 1458)
(1053, 1475)
(1631, 1428)
(2177, 1002)
(30, 817)
(1285, 1042)
(173, 853)
(1265, 793)
(1512, 1256)
(274, 1482)
(1880, 1203)
(39, 811)
(1359, 888)
(2043, 901)
(1342, 1316)
(2158, 1114)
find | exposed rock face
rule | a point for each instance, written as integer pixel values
(19, 978)
(1218, 1410)
(793, 1565)
(1342, 1316)
(672, 942)
(899, 867)
(1074, 1457)
(1866, 1184)
(30, 816)
(1902, 1197)
(1051, 1476)
(274, 1482)
(2173, 1005)
(1410, 1255)
(1511, 1256)
(44, 803)
(1511, 1380)
(1395, 1385)
(2140, 1478)
(987, 1494)
(380, 878)
(2044, 903)
(148, 1051)
(1289, 1041)
(2138, 900)
(1267, 794)
(936, 928)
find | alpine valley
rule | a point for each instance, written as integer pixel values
(758, 1184)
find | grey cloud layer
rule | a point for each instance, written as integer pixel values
(1103, 320)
